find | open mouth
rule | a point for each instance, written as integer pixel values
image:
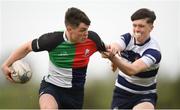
(138, 34)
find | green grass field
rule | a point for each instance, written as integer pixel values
(98, 95)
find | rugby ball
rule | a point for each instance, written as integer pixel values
(21, 71)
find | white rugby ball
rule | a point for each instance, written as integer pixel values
(21, 71)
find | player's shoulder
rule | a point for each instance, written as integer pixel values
(47, 41)
(92, 34)
(54, 33)
(127, 38)
(52, 36)
(154, 44)
(94, 37)
(127, 34)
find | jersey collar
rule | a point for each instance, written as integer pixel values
(65, 37)
(142, 43)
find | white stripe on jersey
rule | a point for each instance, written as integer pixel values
(61, 77)
(134, 91)
(37, 44)
(139, 81)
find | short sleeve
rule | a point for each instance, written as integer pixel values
(124, 40)
(99, 43)
(151, 56)
(47, 41)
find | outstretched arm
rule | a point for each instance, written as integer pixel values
(19, 53)
(113, 48)
(128, 68)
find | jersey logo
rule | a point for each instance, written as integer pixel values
(86, 53)
(63, 53)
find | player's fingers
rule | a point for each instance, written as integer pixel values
(104, 55)
(112, 51)
(115, 51)
(9, 70)
(8, 74)
(9, 78)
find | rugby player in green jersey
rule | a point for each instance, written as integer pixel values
(69, 53)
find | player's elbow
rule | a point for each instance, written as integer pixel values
(27, 47)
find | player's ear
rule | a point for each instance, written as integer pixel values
(151, 27)
(69, 28)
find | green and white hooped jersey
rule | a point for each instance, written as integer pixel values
(68, 61)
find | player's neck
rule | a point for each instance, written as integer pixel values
(69, 37)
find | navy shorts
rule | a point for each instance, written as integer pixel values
(66, 98)
(125, 100)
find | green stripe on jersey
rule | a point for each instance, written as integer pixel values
(63, 55)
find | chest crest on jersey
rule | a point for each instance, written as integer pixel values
(86, 52)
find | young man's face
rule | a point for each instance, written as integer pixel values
(142, 29)
(78, 34)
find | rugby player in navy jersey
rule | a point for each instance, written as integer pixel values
(69, 53)
(138, 60)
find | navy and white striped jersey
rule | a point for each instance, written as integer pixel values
(143, 82)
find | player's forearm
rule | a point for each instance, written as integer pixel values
(19, 53)
(125, 67)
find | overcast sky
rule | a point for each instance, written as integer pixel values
(23, 20)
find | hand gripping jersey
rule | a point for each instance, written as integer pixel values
(143, 82)
(68, 61)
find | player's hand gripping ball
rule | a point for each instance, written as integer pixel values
(21, 71)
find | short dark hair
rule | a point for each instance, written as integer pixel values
(75, 16)
(144, 13)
